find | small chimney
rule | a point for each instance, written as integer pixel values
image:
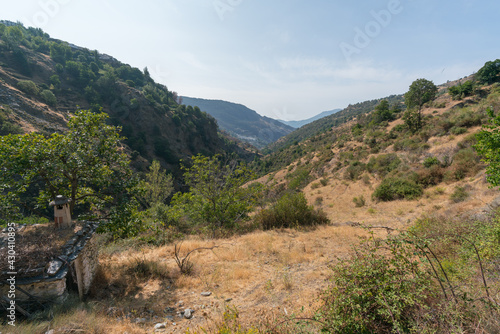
(62, 213)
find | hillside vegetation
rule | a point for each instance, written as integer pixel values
(378, 219)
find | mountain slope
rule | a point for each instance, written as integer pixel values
(298, 124)
(326, 123)
(241, 121)
(43, 81)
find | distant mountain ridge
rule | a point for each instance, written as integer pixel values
(298, 124)
(242, 122)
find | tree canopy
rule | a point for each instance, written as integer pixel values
(421, 91)
(86, 164)
(217, 197)
(488, 74)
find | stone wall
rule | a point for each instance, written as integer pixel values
(88, 262)
(47, 290)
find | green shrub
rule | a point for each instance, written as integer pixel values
(468, 141)
(354, 171)
(28, 87)
(465, 118)
(48, 97)
(383, 289)
(466, 162)
(461, 90)
(431, 161)
(457, 130)
(459, 195)
(315, 185)
(6, 125)
(431, 176)
(383, 164)
(291, 210)
(414, 144)
(394, 188)
(299, 178)
(359, 201)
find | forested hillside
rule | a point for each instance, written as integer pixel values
(43, 81)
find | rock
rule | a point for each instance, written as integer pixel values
(169, 310)
(227, 300)
(170, 317)
(188, 313)
(160, 325)
(180, 303)
(140, 320)
(112, 311)
(206, 294)
(50, 332)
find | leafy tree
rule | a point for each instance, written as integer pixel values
(421, 91)
(488, 74)
(158, 186)
(28, 86)
(94, 67)
(13, 37)
(55, 81)
(488, 146)
(60, 52)
(106, 85)
(48, 97)
(382, 112)
(413, 120)
(86, 164)
(217, 196)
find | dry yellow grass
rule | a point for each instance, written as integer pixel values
(258, 273)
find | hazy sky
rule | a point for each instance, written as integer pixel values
(288, 59)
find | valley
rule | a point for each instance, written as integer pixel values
(378, 218)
